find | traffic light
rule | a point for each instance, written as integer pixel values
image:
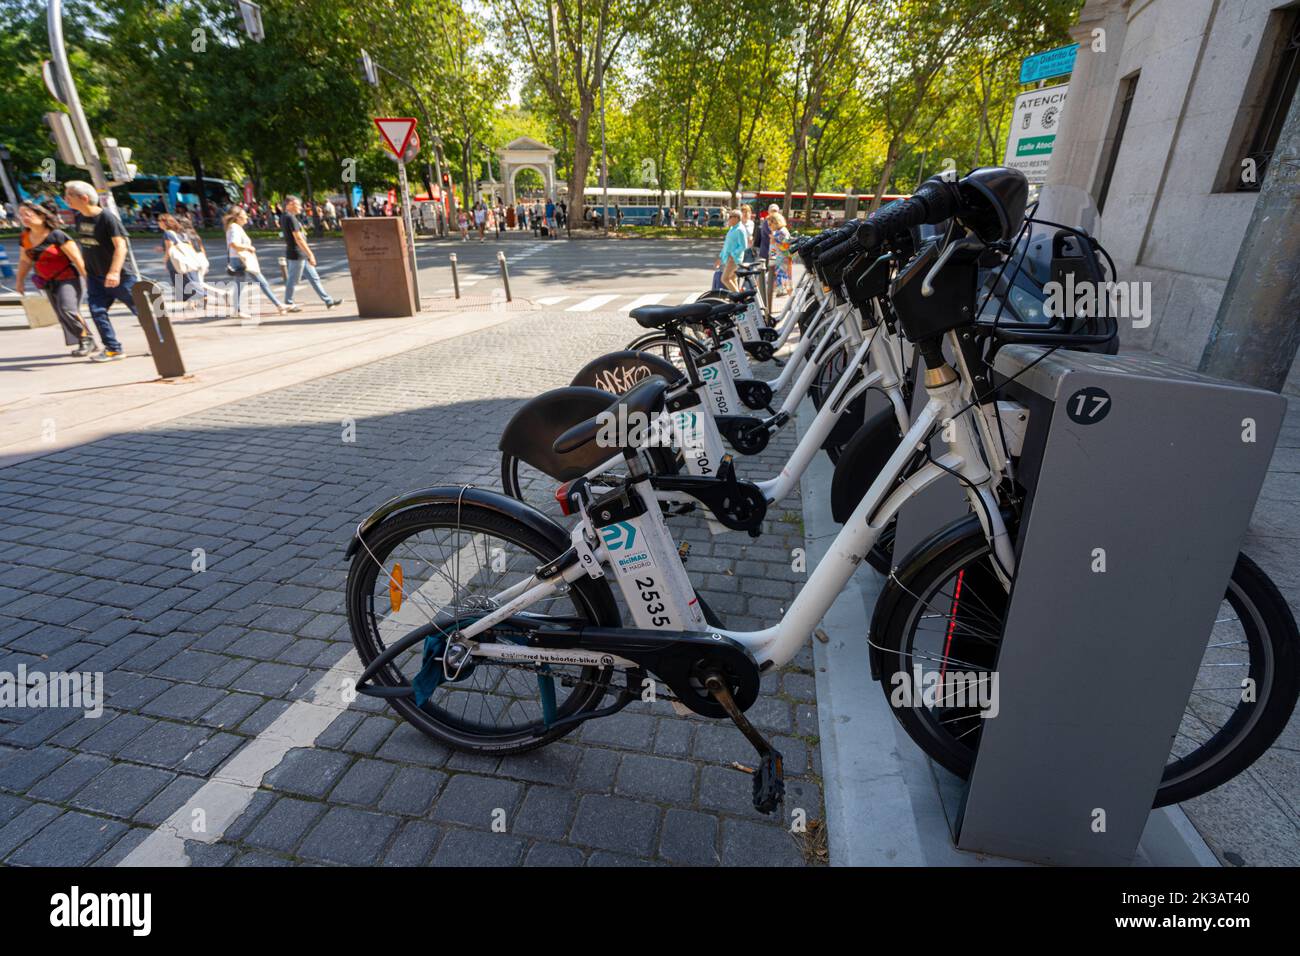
(119, 161)
(65, 140)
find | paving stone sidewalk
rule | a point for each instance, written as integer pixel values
(97, 574)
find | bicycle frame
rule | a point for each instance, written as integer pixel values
(655, 566)
(697, 434)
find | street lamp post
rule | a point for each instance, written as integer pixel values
(762, 165)
(317, 228)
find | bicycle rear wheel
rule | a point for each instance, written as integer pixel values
(951, 615)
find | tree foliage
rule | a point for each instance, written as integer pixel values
(837, 95)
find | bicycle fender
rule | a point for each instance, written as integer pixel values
(617, 372)
(465, 495)
(530, 433)
(862, 458)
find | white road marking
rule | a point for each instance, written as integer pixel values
(691, 297)
(230, 790)
(551, 299)
(220, 801)
(593, 303)
(649, 299)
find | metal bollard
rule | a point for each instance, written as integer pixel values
(505, 273)
(455, 276)
(769, 277)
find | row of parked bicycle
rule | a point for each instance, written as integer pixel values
(499, 622)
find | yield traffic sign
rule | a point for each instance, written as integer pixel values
(396, 132)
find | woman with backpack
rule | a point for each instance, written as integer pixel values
(54, 261)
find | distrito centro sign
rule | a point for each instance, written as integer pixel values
(1034, 124)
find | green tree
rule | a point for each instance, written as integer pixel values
(569, 46)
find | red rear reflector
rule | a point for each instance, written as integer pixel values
(562, 496)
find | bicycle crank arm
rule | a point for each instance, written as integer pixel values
(754, 393)
(769, 777)
(738, 505)
(749, 436)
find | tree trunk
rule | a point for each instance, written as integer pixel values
(891, 160)
(581, 152)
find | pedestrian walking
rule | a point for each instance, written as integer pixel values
(299, 258)
(242, 264)
(462, 223)
(196, 243)
(480, 219)
(54, 262)
(104, 244)
(732, 255)
(780, 251)
(182, 260)
(747, 223)
(550, 217)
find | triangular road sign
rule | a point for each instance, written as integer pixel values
(396, 132)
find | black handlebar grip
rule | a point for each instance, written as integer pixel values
(837, 253)
(934, 201)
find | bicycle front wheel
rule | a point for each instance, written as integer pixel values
(448, 562)
(951, 616)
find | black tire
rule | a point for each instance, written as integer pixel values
(1270, 636)
(666, 347)
(588, 599)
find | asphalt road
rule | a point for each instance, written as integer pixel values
(576, 270)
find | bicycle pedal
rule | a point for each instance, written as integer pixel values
(769, 782)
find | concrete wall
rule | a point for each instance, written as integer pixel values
(1165, 220)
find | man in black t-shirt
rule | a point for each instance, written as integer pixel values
(298, 257)
(103, 240)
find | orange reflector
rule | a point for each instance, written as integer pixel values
(395, 587)
(562, 496)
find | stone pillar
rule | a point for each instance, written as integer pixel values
(1255, 333)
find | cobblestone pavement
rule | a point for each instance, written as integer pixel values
(96, 575)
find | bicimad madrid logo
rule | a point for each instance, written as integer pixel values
(619, 536)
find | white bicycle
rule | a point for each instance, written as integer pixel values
(492, 629)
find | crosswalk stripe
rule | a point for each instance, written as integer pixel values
(650, 299)
(691, 297)
(592, 304)
(552, 299)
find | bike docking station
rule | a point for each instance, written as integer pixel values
(1141, 478)
(1140, 481)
